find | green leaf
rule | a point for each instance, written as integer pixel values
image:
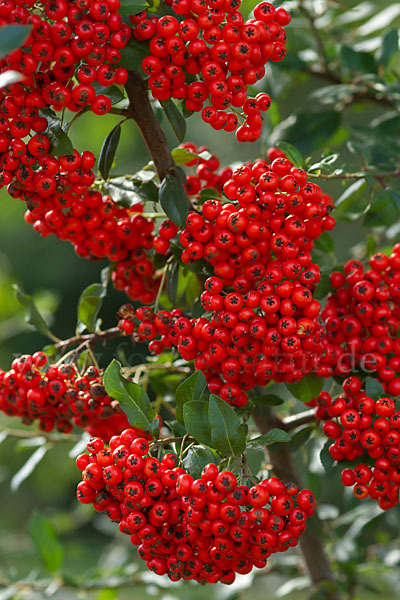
(383, 147)
(89, 305)
(33, 316)
(128, 193)
(132, 397)
(71, 580)
(133, 54)
(191, 389)
(50, 351)
(325, 164)
(325, 456)
(196, 459)
(331, 94)
(358, 149)
(106, 275)
(175, 118)
(272, 437)
(145, 175)
(45, 538)
(182, 156)
(132, 7)
(9, 77)
(300, 438)
(395, 194)
(28, 467)
(195, 417)
(60, 143)
(204, 155)
(174, 200)
(111, 91)
(308, 387)
(132, 191)
(291, 153)
(193, 289)
(324, 243)
(209, 194)
(227, 434)
(254, 458)
(268, 400)
(353, 202)
(357, 61)
(388, 48)
(171, 285)
(183, 286)
(13, 37)
(374, 389)
(108, 150)
(384, 210)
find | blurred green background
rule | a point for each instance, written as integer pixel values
(363, 543)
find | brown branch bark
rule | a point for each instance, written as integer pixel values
(141, 111)
(310, 543)
(89, 338)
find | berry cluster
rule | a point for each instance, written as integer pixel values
(58, 397)
(366, 430)
(233, 359)
(204, 529)
(72, 45)
(208, 52)
(99, 228)
(272, 217)
(264, 320)
(362, 318)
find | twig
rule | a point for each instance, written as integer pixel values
(155, 367)
(122, 112)
(171, 440)
(361, 175)
(107, 334)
